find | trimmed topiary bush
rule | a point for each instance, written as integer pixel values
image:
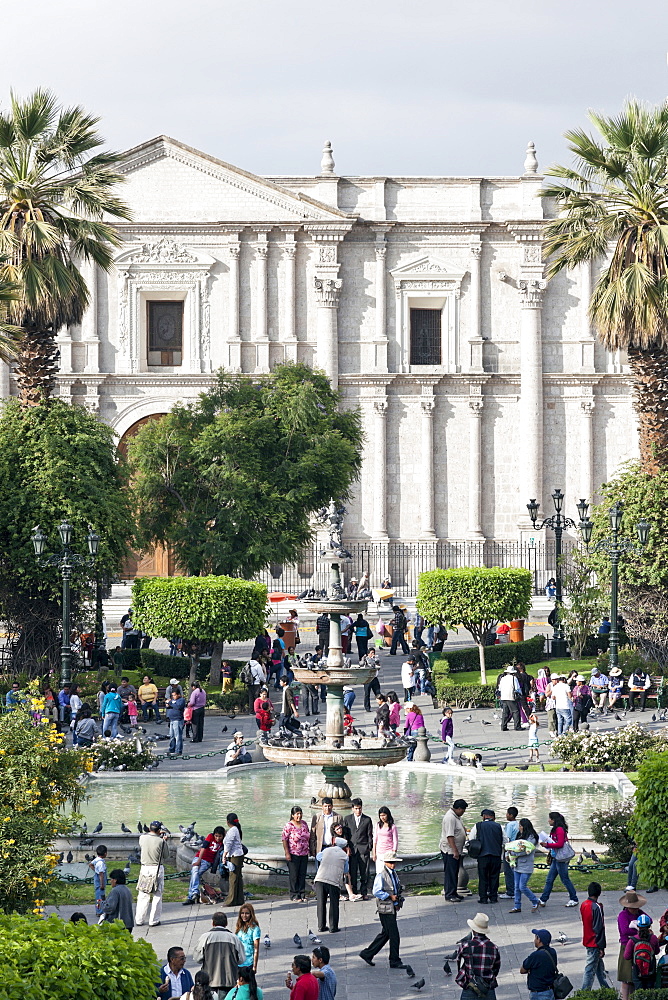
(605, 994)
(529, 651)
(466, 695)
(647, 826)
(59, 960)
(623, 749)
(610, 827)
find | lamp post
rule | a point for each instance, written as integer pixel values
(66, 560)
(558, 522)
(614, 546)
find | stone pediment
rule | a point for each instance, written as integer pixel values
(162, 253)
(167, 180)
(428, 266)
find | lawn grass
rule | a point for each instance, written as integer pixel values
(613, 879)
(559, 666)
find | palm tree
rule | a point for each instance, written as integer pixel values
(55, 200)
(614, 207)
(9, 335)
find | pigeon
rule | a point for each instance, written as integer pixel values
(125, 829)
(542, 767)
(140, 828)
(145, 828)
(446, 968)
(266, 941)
(61, 858)
(653, 717)
(298, 941)
(495, 715)
(585, 853)
(165, 830)
(355, 744)
(409, 972)
(522, 767)
(562, 937)
(88, 857)
(314, 802)
(126, 870)
(486, 723)
(70, 858)
(313, 938)
(594, 856)
(502, 767)
(618, 717)
(121, 767)
(86, 843)
(418, 984)
(469, 718)
(84, 827)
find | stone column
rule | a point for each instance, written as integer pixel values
(89, 321)
(381, 292)
(379, 486)
(475, 338)
(233, 332)
(475, 470)
(530, 456)
(327, 292)
(289, 327)
(587, 340)
(261, 337)
(587, 449)
(426, 490)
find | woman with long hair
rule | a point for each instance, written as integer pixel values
(295, 838)
(248, 932)
(234, 855)
(339, 830)
(395, 710)
(202, 988)
(246, 988)
(524, 863)
(385, 835)
(560, 854)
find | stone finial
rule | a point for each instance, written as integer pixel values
(327, 162)
(531, 162)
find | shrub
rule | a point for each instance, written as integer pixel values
(529, 651)
(629, 660)
(651, 994)
(203, 608)
(647, 826)
(230, 700)
(133, 754)
(623, 749)
(465, 695)
(605, 994)
(59, 960)
(611, 828)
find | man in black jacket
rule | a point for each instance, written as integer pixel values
(490, 835)
(322, 631)
(399, 626)
(360, 832)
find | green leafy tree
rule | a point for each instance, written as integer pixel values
(56, 461)
(615, 195)
(40, 777)
(585, 603)
(56, 202)
(647, 828)
(200, 609)
(475, 597)
(230, 482)
(57, 959)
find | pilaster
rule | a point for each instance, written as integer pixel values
(587, 448)
(289, 327)
(233, 330)
(476, 403)
(379, 463)
(261, 336)
(426, 490)
(475, 340)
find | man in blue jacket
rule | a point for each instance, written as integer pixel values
(175, 980)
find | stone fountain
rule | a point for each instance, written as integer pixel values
(335, 753)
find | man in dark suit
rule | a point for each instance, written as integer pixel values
(321, 827)
(360, 831)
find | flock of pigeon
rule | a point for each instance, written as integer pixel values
(311, 735)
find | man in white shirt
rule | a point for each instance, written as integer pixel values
(408, 678)
(509, 690)
(563, 702)
(346, 632)
(236, 752)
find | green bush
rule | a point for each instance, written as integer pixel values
(647, 826)
(623, 749)
(230, 700)
(650, 994)
(611, 828)
(59, 960)
(465, 695)
(605, 994)
(202, 608)
(110, 754)
(530, 651)
(629, 660)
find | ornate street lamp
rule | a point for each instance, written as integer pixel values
(614, 546)
(65, 560)
(558, 523)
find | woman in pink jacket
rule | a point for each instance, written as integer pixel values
(197, 701)
(385, 835)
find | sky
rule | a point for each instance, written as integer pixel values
(400, 87)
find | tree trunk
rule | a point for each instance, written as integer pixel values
(194, 664)
(216, 659)
(483, 668)
(650, 390)
(37, 366)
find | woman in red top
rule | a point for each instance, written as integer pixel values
(557, 842)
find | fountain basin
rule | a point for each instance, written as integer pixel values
(324, 756)
(334, 607)
(335, 676)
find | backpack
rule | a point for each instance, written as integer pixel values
(245, 674)
(644, 961)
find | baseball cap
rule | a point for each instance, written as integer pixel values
(155, 825)
(543, 936)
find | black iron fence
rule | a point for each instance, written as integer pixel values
(403, 562)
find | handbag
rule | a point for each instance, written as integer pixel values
(474, 845)
(478, 984)
(188, 714)
(147, 883)
(562, 985)
(564, 853)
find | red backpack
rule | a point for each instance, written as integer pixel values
(644, 961)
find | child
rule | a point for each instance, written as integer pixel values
(348, 724)
(264, 717)
(395, 710)
(641, 950)
(226, 669)
(132, 708)
(534, 752)
(447, 734)
(99, 866)
(662, 970)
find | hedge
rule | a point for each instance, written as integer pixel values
(465, 695)
(203, 608)
(60, 960)
(229, 700)
(529, 651)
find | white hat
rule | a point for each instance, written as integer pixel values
(510, 669)
(480, 923)
(173, 680)
(392, 856)
(580, 678)
(238, 733)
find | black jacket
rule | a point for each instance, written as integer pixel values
(490, 836)
(361, 837)
(322, 624)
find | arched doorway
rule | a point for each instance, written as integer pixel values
(157, 561)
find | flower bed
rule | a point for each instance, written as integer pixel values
(621, 750)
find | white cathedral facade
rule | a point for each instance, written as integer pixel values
(423, 299)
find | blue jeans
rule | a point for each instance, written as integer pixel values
(430, 635)
(468, 994)
(564, 720)
(522, 887)
(632, 874)
(348, 699)
(541, 995)
(99, 891)
(110, 723)
(594, 966)
(559, 868)
(196, 873)
(176, 735)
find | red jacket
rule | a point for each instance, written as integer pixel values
(306, 988)
(593, 924)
